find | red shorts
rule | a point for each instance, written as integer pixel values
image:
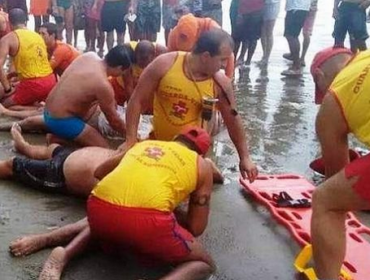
(151, 234)
(361, 168)
(29, 91)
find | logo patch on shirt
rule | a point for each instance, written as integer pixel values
(179, 110)
(155, 153)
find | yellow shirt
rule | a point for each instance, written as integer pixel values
(153, 175)
(178, 102)
(351, 88)
(31, 60)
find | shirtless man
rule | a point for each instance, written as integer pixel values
(61, 55)
(28, 52)
(83, 86)
(54, 168)
(175, 171)
(178, 83)
(343, 80)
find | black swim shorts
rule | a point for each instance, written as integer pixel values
(45, 175)
(294, 21)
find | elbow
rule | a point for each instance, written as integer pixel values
(197, 230)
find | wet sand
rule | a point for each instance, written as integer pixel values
(244, 240)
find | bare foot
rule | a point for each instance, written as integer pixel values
(27, 245)
(3, 110)
(16, 132)
(53, 267)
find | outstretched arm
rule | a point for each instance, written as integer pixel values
(234, 126)
(108, 106)
(108, 166)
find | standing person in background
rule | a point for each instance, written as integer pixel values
(93, 27)
(168, 20)
(79, 20)
(213, 10)
(307, 30)
(233, 14)
(248, 28)
(13, 4)
(63, 12)
(40, 9)
(350, 16)
(270, 14)
(148, 21)
(113, 18)
(296, 14)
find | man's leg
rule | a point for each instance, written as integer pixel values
(330, 203)
(307, 33)
(197, 265)
(68, 20)
(295, 48)
(110, 40)
(91, 137)
(31, 151)
(26, 245)
(59, 257)
(22, 114)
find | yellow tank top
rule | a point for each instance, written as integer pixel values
(178, 102)
(153, 174)
(351, 87)
(31, 60)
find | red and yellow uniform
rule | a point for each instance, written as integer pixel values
(178, 101)
(132, 206)
(33, 69)
(120, 94)
(62, 56)
(185, 34)
(350, 88)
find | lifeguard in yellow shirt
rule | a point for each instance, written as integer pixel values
(28, 52)
(343, 81)
(179, 84)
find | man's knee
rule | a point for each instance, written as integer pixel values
(320, 200)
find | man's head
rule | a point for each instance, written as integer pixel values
(17, 17)
(118, 60)
(213, 48)
(144, 53)
(195, 138)
(49, 32)
(325, 67)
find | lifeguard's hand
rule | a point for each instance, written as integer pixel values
(248, 169)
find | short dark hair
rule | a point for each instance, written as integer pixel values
(211, 41)
(17, 16)
(120, 56)
(51, 28)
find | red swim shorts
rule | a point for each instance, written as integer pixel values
(29, 91)
(361, 168)
(151, 234)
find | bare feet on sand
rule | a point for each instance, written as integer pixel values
(53, 267)
(24, 246)
(16, 132)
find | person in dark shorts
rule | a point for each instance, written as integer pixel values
(63, 13)
(296, 14)
(148, 22)
(113, 18)
(53, 168)
(350, 17)
(248, 29)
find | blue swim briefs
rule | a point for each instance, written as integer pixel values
(67, 128)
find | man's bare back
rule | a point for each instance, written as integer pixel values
(76, 92)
